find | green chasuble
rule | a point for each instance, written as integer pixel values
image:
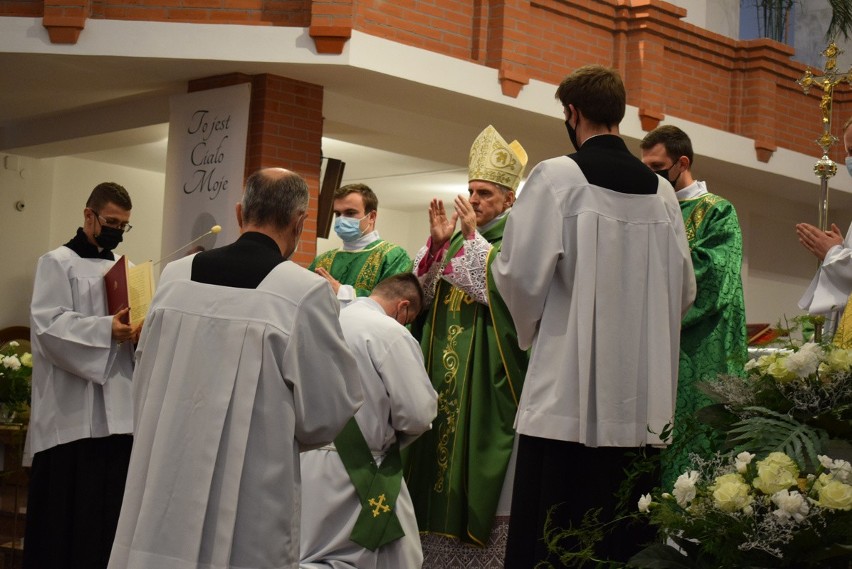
(713, 331)
(455, 471)
(365, 268)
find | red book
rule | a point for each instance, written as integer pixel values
(131, 286)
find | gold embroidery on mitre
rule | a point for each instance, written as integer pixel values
(493, 160)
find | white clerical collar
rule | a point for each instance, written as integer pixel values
(694, 190)
(483, 228)
(361, 242)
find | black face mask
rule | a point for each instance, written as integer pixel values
(572, 134)
(109, 238)
(665, 174)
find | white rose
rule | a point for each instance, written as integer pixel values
(776, 472)
(731, 493)
(836, 496)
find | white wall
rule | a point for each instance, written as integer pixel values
(74, 180)
(24, 235)
(776, 268)
(720, 16)
(55, 192)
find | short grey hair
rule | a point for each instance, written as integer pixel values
(274, 200)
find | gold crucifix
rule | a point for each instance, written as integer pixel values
(380, 505)
(825, 168)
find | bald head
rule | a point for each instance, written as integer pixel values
(274, 197)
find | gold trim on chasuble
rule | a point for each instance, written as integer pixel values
(497, 335)
(695, 218)
(369, 272)
(448, 398)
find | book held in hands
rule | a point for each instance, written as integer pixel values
(130, 285)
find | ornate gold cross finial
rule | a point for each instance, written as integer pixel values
(380, 505)
(825, 168)
(829, 79)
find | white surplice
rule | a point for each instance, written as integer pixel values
(398, 402)
(597, 282)
(830, 288)
(81, 377)
(230, 383)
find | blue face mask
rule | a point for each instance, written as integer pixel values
(849, 164)
(348, 228)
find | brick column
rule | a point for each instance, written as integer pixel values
(507, 48)
(641, 51)
(758, 89)
(285, 131)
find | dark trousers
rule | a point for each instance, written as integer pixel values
(574, 479)
(74, 500)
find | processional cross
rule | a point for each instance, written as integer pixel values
(825, 167)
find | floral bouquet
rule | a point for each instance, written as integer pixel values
(15, 374)
(735, 512)
(797, 399)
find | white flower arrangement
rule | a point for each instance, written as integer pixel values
(736, 511)
(15, 373)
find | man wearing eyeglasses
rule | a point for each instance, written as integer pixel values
(79, 436)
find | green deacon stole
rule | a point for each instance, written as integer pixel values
(455, 471)
(377, 487)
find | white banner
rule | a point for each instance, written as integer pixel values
(204, 168)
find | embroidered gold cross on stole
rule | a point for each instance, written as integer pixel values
(380, 505)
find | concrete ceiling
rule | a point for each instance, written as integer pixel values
(407, 140)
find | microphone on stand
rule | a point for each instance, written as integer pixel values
(213, 230)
